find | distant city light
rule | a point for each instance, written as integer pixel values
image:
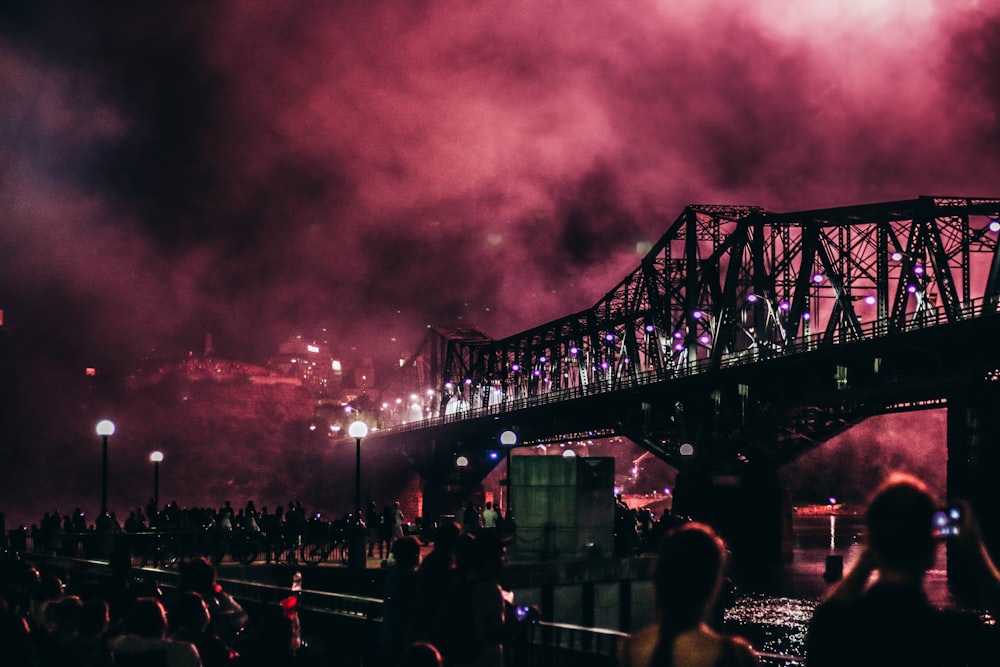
(312, 348)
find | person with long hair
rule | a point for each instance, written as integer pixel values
(688, 580)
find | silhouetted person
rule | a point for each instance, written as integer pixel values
(399, 595)
(373, 523)
(227, 616)
(434, 581)
(470, 519)
(892, 622)
(421, 654)
(145, 640)
(475, 610)
(58, 645)
(687, 583)
(189, 620)
(15, 636)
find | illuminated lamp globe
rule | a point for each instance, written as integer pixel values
(508, 438)
(687, 449)
(105, 427)
(357, 429)
(462, 462)
(156, 457)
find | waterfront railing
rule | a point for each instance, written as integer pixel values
(356, 620)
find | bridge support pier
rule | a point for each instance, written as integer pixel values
(974, 466)
(750, 510)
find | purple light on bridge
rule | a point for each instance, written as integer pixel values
(918, 270)
(994, 226)
(806, 316)
(609, 337)
(678, 335)
(897, 256)
(542, 359)
(870, 300)
(574, 350)
(911, 288)
(784, 305)
(678, 346)
(817, 278)
(697, 314)
(752, 298)
(515, 367)
(604, 365)
(537, 373)
(705, 339)
(468, 381)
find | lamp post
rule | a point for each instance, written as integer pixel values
(156, 457)
(508, 439)
(462, 463)
(105, 429)
(356, 546)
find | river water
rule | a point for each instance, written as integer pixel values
(774, 615)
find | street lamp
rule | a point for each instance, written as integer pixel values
(105, 429)
(156, 457)
(462, 463)
(356, 546)
(508, 439)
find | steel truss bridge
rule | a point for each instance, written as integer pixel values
(744, 337)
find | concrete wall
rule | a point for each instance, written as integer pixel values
(563, 507)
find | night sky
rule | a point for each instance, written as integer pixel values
(255, 169)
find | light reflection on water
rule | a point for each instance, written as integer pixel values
(774, 615)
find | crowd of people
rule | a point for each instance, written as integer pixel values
(450, 609)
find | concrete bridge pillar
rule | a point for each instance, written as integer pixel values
(750, 510)
(974, 464)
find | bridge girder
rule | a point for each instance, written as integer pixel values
(739, 286)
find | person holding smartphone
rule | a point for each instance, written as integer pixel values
(889, 621)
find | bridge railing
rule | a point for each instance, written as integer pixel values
(929, 317)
